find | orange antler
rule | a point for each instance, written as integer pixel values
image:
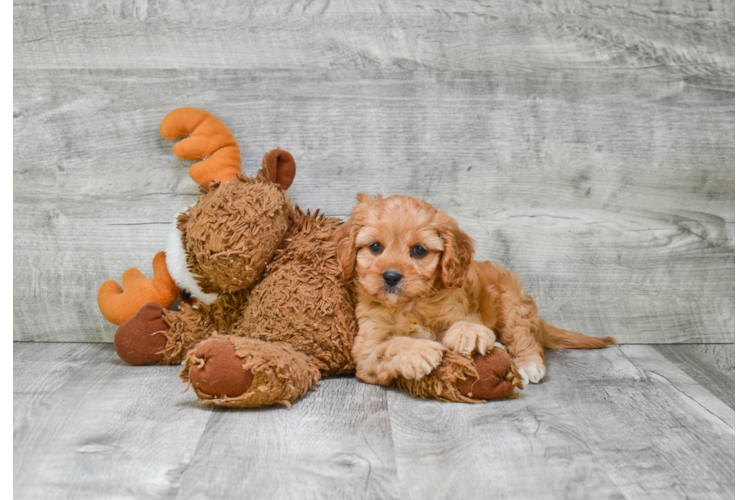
(205, 138)
(118, 305)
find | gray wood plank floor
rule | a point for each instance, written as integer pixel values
(624, 422)
(587, 145)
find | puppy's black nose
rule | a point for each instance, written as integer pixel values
(391, 278)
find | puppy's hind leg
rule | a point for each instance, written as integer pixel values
(519, 327)
(528, 357)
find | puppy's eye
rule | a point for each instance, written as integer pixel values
(417, 251)
(376, 248)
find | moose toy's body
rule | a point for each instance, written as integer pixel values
(273, 313)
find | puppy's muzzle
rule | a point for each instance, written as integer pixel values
(391, 278)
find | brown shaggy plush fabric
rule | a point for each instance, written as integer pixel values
(295, 320)
(231, 233)
(302, 299)
(284, 305)
(466, 380)
(441, 383)
(187, 328)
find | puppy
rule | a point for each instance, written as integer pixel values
(419, 293)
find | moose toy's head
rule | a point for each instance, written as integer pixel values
(223, 242)
(227, 238)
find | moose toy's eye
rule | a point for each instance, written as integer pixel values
(376, 248)
(417, 251)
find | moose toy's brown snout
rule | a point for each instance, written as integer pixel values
(233, 231)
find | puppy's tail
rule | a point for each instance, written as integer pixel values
(557, 338)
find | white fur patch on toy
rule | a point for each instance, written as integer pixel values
(176, 263)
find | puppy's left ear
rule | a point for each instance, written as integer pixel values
(458, 250)
(345, 238)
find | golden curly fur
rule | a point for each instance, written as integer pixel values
(420, 294)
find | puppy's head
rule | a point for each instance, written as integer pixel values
(401, 248)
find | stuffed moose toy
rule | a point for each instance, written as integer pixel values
(271, 312)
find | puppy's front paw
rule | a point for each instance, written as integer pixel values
(419, 360)
(465, 338)
(530, 370)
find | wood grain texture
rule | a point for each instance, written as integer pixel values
(334, 443)
(741, 453)
(109, 431)
(40, 372)
(588, 146)
(463, 141)
(651, 271)
(444, 35)
(711, 365)
(621, 422)
(603, 424)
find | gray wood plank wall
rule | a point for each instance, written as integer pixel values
(587, 145)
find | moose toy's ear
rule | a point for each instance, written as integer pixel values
(279, 168)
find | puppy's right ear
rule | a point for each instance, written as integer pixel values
(458, 250)
(345, 238)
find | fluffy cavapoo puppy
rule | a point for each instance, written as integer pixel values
(419, 293)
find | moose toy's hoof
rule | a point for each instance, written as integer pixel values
(218, 371)
(497, 377)
(139, 340)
